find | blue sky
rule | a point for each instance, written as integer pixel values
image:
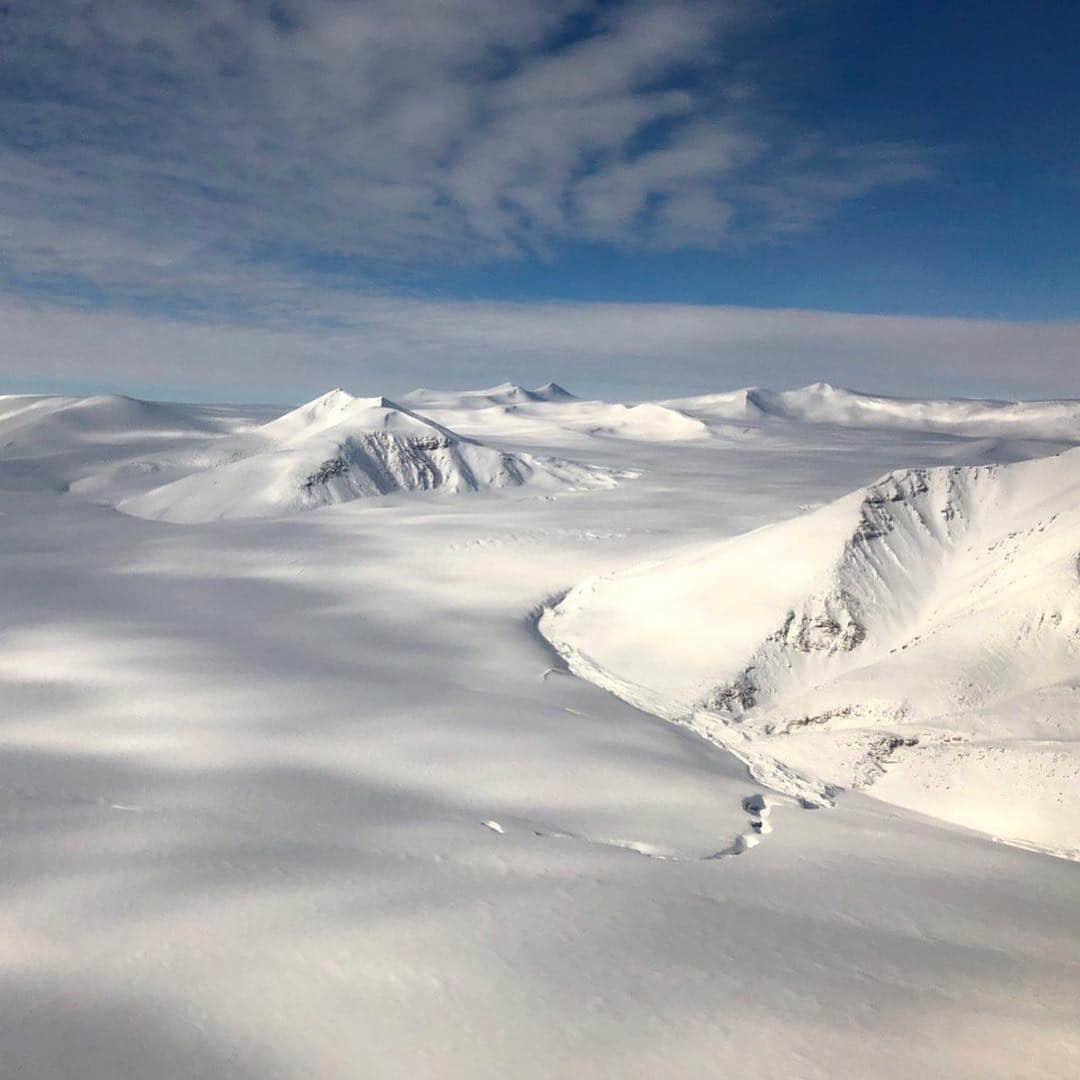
(375, 192)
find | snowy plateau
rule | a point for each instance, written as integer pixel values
(502, 733)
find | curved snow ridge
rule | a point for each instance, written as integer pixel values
(748, 621)
(762, 766)
(924, 627)
(338, 448)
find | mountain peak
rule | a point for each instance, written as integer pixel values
(552, 391)
(337, 396)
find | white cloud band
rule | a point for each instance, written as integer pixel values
(635, 349)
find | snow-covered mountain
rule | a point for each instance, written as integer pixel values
(506, 393)
(936, 609)
(46, 425)
(551, 408)
(338, 448)
(821, 403)
(647, 422)
(308, 795)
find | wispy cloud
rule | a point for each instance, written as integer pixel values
(149, 148)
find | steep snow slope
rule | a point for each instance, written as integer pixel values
(821, 403)
(935, 613)
(338, 448)
(316, 416)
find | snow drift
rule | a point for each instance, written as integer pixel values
(338, 448)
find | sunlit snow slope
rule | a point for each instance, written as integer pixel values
(921, 635)
(338, 448)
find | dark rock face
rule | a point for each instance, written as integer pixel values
(333, 467)
(734, 697)
(827, 625)
(834, 622)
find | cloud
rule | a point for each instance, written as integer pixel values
(390, 345)
(148, 145)
(191, 174)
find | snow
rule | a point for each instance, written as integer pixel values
(905, 622)
(549, 410)
(308, 793)
(337, 448)
(821, 403)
